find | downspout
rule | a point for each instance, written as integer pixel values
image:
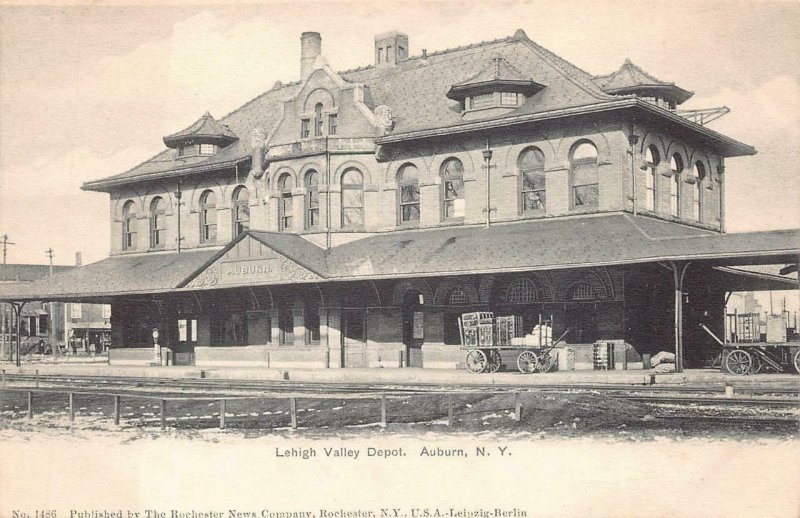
(487, 157)
(633, 139)
(178, 196)
(721, 174)
(328, 202)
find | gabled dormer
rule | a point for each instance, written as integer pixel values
(496, 90)
(203, 138)
(632, 80)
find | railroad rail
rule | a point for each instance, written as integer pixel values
(183, 384)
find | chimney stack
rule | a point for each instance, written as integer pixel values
(310, 48)
(78, 259)
(391, 48)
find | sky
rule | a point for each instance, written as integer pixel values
(88, 91)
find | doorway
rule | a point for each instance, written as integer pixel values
(183, 351)
(413, 328)
(354, 338)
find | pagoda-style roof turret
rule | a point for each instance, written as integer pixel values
(631, 79)
(498, 76)
(205, 130)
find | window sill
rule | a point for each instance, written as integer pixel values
(452, 221)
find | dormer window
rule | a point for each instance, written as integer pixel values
(204, 138)
(497, 89)
(509, 99)
(208, 149)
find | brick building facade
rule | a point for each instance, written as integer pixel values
(347, 219)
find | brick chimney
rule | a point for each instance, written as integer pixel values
(310, 48)
(391, 48)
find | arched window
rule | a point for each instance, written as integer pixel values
(352, 199)
(457, 297)
(285, 185)
(241, 210)
(521, 291)
(208, 217)
(318, 120)
(651, 161)
(158, 227)
(699, 173)
(676, 166)
(584, 177)
(532, 184)
(129, 226)
(312, 200)
(582, 290)
(408, 189)
(452, 189)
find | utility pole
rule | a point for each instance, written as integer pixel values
(6, 244)
(52, 312)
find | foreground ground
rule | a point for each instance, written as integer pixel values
(576, 413)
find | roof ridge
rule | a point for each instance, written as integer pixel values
(587, 84)
(434, 53)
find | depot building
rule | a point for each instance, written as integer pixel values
(349, 218)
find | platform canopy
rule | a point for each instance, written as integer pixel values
(258, 258)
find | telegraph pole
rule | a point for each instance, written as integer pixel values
(52, 313)
(6, 243)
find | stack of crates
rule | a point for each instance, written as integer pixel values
(603, 356)
(507, 328)
(477, 329)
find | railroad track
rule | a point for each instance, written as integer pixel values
(173, 386)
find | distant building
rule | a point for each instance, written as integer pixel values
(84, 323)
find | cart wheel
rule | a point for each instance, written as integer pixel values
(739, 361)
(527, 362)
(797, 361)
(494, 361)
(547, 362)
(476, 361)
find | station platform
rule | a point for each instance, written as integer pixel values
(403, 376)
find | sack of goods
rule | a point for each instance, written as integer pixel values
(541, 335)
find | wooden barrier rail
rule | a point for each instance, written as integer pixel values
(117, 403)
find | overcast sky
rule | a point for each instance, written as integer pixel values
(87, 92)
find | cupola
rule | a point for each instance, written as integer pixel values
(632, 80)
(498, 88)
(203, 138)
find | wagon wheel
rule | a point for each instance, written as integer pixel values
(527, 362)
(494, 361)
(476, 361)
(547, 362)
(797, 361)
(739, 361)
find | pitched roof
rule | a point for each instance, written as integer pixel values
(27, 272)
(205, 128)
(631, 78)
(416, 91)
(118, 275)
(579, 242)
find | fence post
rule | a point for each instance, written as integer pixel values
(117, 404)
(517, 407)
(383, 410)
(450, 410)
(30, 405)
(163, 414)
(221, 414)
(71, 407)
(293, 412)
(4, 377)
(37, 378)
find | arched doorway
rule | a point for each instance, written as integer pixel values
(413, 327)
